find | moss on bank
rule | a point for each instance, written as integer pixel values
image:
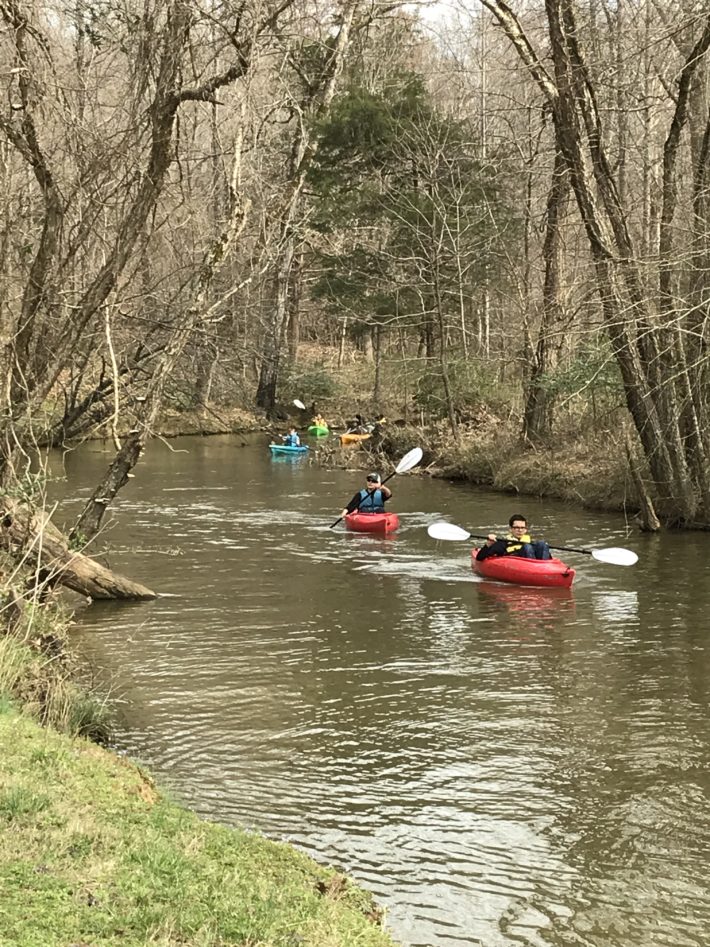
(91, 854)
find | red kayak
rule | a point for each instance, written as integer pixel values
(372, 522)
(545, 573)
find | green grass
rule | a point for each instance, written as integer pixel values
(39, 673)
(91, 854)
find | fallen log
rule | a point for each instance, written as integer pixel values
(31, 538)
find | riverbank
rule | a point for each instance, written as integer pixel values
(592, 471)
(92, 853)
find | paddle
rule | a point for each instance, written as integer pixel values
(409, 460)
(614, 555)
(299, 404)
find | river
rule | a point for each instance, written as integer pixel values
(500, 766)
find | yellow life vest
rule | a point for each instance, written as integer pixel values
(517, 544)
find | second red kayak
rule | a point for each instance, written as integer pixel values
(544, 573)
(372, 522)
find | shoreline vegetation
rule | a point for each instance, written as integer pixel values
(93, 854)
(592, 471)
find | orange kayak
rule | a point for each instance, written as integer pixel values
(353, 438)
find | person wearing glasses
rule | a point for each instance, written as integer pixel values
(518, 542)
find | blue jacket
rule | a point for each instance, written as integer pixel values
(372, 502)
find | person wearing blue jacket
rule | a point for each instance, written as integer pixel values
(371, 499)
(292, 439)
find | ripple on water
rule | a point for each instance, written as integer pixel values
(502, 767)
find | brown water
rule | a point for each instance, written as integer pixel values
(500, 766)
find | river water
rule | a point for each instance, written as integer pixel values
(500, 766)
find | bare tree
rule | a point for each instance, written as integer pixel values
(664, 389)
(319, 93)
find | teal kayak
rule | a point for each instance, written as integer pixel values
(286, 449)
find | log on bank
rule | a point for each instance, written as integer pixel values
(30, 537)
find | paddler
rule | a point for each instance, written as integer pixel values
(518, 542)
(371, 499)
(291, 439)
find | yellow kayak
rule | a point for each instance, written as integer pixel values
(353, 438)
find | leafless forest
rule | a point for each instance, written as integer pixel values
(500, 198)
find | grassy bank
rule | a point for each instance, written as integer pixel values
(592, 473)
(91, 854)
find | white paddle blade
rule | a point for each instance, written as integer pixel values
(447, 531)
(409, 460)
(616, 556)
(299, 404)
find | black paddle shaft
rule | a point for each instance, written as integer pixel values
(587, 552)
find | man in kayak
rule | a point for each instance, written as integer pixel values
(517, 543)
(379, 424)
(291, 439)
(356, 426)
(370, 500)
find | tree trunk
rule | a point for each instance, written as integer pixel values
(32, 539)
(273, 347)
(443, 361)
(649, 350)
(377, 387)
(341, 342)
(294, 307)
(537, 419)
(304, 150)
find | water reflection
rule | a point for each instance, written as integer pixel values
(527, 604)
(290, 458)
(502, 766)
(618, 607)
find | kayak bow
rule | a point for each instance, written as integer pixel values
(372, 522)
